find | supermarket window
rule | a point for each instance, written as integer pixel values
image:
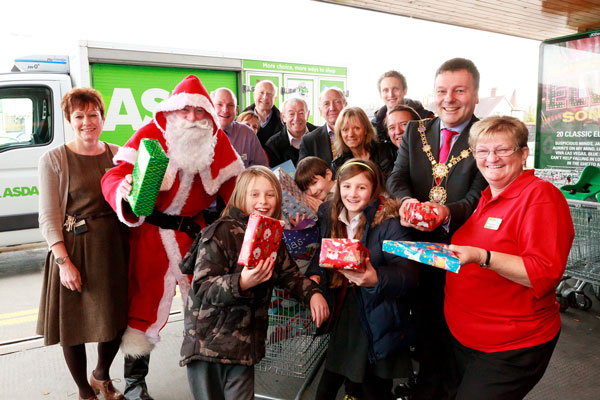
(25, 117)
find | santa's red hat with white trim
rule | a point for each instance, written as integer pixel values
(189, 92)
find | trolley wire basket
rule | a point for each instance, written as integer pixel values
(584, 258)
(292, 347)
(583, 263)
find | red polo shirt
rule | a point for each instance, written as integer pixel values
(490, 313)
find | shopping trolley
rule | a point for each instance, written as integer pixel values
(558, 177)
(583, 263)
(292, 348)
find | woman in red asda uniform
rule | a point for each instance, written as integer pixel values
(501, 308)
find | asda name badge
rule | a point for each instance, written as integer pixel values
(493, 223)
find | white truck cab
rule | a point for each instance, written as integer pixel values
(30, 125)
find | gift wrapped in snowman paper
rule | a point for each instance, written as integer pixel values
(261, 240)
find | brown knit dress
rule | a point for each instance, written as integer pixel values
(99, 312)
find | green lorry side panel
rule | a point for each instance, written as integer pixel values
(139, 79)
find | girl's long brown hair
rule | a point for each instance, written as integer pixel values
(350, 169)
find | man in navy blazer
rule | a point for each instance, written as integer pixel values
(458, 190)
(319, 143)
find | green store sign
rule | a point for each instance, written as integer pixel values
(293, 68)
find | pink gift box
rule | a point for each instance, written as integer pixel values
(261, 240)
(343, 254)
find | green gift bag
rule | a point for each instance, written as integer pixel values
(148, 172)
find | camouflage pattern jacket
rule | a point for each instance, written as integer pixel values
(223, 324)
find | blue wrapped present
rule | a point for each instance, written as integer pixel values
(427, 253)
(287, 166)
(302, 243)
(294, 200)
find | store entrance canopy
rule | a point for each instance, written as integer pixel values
(531, 19)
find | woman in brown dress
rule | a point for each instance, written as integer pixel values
(84, 294)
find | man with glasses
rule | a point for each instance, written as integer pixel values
(265, 93)
(435, 165)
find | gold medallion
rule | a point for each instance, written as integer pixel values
(437, 194)
(440, 171)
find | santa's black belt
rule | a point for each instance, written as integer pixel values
(186, 225)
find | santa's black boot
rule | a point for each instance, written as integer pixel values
(135, 371)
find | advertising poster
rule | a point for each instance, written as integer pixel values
(302, 88)
(568, 128)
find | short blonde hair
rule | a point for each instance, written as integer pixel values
(342, 121)
(492, 126)
(238, 196)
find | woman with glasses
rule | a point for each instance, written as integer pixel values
(501, 307)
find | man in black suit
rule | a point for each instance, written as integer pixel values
(284, 144)
(453, 187)
(265, 93)
(319, 143)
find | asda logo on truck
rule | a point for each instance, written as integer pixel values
(19, 191)
(132, 92)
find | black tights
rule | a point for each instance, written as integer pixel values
(373, 387)
(76, 359)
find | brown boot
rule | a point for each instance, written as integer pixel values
(106, 388)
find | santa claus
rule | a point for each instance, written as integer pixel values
(202, 165)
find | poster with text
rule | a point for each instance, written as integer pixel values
(568, 127)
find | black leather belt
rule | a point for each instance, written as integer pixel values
(186, 225)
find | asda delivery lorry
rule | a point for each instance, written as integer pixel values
(132, 80)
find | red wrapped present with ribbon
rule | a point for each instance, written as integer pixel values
(343, 254)
(261, 240)
(420, 214)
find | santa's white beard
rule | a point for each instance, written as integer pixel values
(191, 144)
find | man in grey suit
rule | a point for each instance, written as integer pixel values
(435, 165)
(319, 143)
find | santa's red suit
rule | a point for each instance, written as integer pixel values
(155, 252)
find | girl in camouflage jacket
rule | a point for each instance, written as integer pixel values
(226, 316)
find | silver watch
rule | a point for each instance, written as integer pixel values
(61, 260)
